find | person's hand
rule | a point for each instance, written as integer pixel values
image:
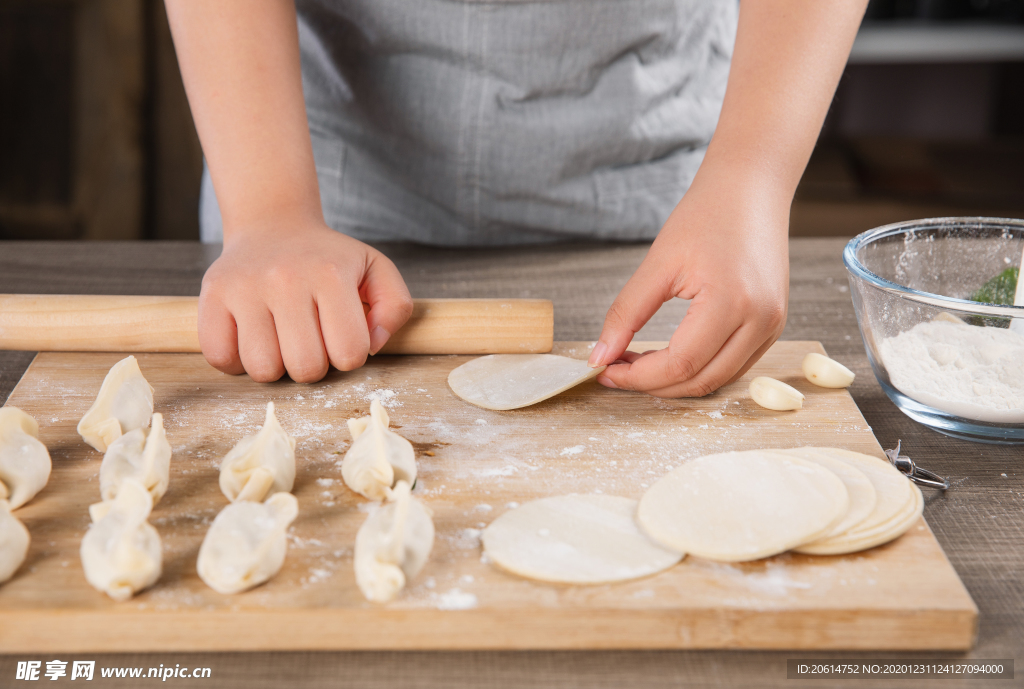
(294, 301)
(725, 248)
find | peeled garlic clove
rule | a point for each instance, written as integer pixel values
(774, 394)
(828, 373)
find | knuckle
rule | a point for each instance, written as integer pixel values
(744, 302)
(221, 360)
(404, 306)
(265, 374)
(349, 361)
(775, 315)
(682, 367)
(333, 270)
(308, 373)
(618, 313)
(280, 277)
(702, 387)
(211, 282)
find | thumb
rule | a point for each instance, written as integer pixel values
(388, 304)
(643, 295)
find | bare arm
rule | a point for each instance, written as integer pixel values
(287, 293)
(240, 63)
(725, 246)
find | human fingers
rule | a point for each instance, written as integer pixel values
(257, 343)
(648, 288)
(734, 354)
(629, 357)
(706, 327)
(384, 290)
(754, 358)
(343, 323)
(297, 324)
(218, 335)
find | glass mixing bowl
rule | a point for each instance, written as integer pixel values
(953, 364)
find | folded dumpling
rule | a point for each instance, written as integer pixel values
(246, 543)
(13, 542)
(141, 455)
(379, 458)
(260, 464)
(125, 402)
(121, 551)
(393, 545)
(24, 462)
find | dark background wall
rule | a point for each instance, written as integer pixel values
(96, 139)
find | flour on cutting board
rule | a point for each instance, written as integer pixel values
(472, 452)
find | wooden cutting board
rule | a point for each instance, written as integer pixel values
(474, 464)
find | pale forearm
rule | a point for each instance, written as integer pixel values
(240, 63)
(788, 59)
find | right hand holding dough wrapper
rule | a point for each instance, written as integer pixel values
(393, 545)
(145, 457)
(246, 543)
(379, 458)
(13, 542)
(24, 462)
(124, 403)
(261, 464)
(121, 551)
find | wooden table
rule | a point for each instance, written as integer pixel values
(979, 522)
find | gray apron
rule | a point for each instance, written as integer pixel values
(454, 122)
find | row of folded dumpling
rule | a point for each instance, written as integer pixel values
(121, 552)
(24, 470)
(246, 544)
(394, 542)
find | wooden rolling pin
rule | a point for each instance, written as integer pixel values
(87, 323)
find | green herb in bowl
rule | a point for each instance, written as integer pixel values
(1000, 289)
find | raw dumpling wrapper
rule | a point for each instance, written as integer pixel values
(125, 402)
(393, 545)
(246, 543)
(742, 506)
(379, 458)
(13, 542)
(261, 464)
(121, 550)
(141, 456)
(511, 381)
(24, 462)
(575, 539)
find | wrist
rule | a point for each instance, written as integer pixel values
(271, 221)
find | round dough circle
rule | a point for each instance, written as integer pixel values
(575, 539)
(895, 500)
(855, 541)
(740, 506)
(862, 494)
(511, 381)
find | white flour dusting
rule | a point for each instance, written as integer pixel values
(387, 398)
(973, 372)
(575, 450)
(456, 599)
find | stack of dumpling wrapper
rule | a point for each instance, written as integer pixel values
(740, 506)
(730, 507)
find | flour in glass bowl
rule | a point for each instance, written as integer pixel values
(973, 372)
